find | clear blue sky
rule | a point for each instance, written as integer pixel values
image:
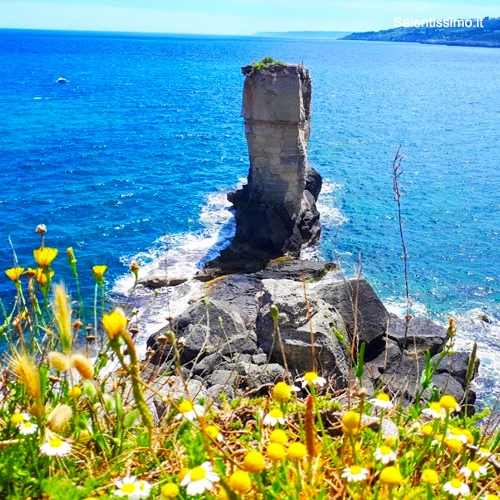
(231, 16)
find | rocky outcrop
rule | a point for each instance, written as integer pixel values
(276, 211)
(231, 345)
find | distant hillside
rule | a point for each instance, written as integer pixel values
(335, 35)
(487, 36)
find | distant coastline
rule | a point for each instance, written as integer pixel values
(486, 36)
(331, 35)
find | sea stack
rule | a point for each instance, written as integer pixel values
(276, 211)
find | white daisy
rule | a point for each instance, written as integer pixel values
(473, 469)
(199, 479)
(355, 473)
(275, 416)
(27, 427)
(127, 487)
(456, 487)
(485, 453)
(382, 401)
(189, 411)
(311, 378)
(55, 447)
(385, 455)
(434, 411)
(143, 489)
(454, 433)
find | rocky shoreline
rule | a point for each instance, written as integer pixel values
(261, 313)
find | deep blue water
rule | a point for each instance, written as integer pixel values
(146, 136)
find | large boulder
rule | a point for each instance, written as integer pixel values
(353, 296)
(417, 335)
(295, 326)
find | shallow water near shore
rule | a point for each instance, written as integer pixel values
(133, 157)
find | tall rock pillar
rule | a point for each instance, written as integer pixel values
(276, 211)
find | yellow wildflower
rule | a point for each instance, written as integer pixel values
(114, 323)
(98, 272)
(391, 476)
(430, 476)
(351, 422)
(275, 452)
(169, 490)
(44, 256)
(296, 451)
(449, 403)
(240, 481)
(14, 273)
(282, 392)
(254, 462)
(278, 436)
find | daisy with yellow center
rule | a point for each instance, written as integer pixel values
(449, 403)
(189, 411)
(45, 256)
(385, 455)
(311, 378)
(434, 411)
(127, 487)
(275, 416)
(25, 428)
(382, 401)
(19, 418)
(199, 479)
(463, 435)
(143, 489)
(485, 453)
(473, 469)
(454, 444)
(282, 392)
(14, 273)
(213, 433)
(254, 462)
(456, 487)
(427, 430)
(355, 473)
(55, 447)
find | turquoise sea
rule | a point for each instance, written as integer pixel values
(133, 156)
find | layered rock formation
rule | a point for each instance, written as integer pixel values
(276, 211)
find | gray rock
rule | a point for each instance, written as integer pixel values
(331, 355)
(223, 377)
(455, 364)
(421, 335)
(266, 374)
(211, 327)
(240, 292)
(372, 317)
(214, 393)
(259, 359)
(158, 279)
(208, 364)
(296, 269)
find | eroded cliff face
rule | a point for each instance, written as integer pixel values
(276, 211)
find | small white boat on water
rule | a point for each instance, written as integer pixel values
(61, 79)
